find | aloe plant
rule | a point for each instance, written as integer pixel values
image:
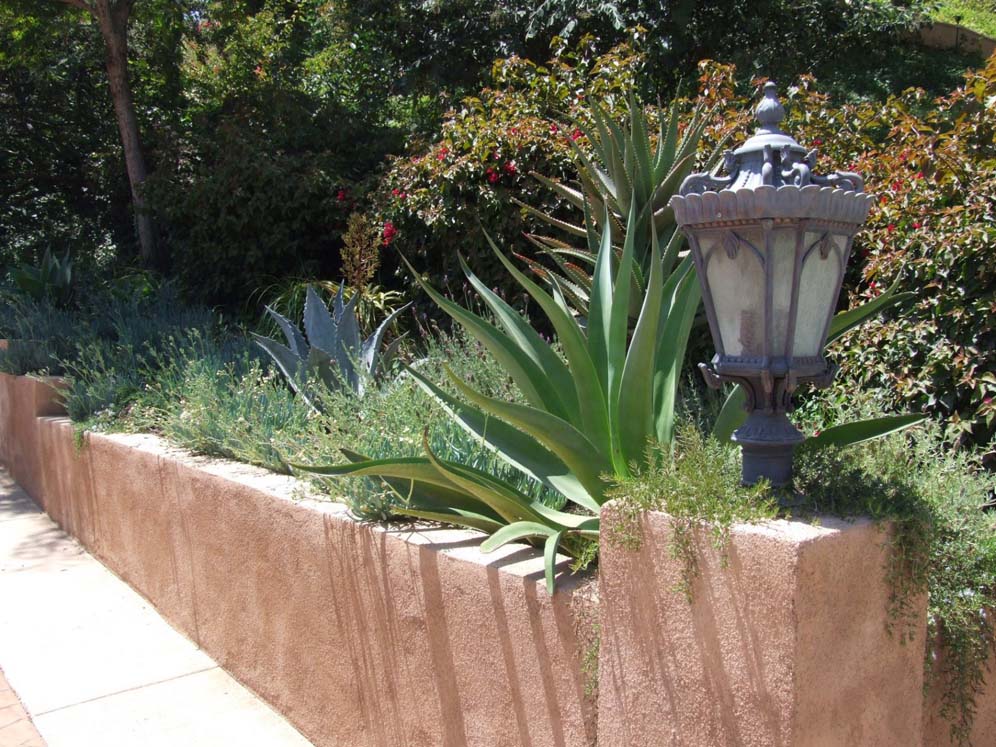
(330, 349)
(587, 415)
(626, 173)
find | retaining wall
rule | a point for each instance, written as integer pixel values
(407, 635)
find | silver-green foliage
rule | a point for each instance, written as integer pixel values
(331, 349)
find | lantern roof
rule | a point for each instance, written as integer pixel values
(770, 158)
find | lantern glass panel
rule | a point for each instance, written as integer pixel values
(819, 284)
(782, 258)
(735, 273)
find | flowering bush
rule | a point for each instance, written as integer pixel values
(932, 164)
(438, 198)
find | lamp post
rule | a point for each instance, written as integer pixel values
(770, 242)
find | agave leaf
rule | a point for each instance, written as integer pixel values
(641, 146)
(557, 435)
(682, 304)
(636, 394)
(295, 340)
(511, 444)
(532, 345)
(509, 503)
(466, 519)
(292, 367)
(318, 323)
(386, 358)
(562, 225)
(591, 395)
(731, 416)
(668, 143)
(371, 346)
(524, 372)
(514, 532)
(600, 309)
(848, 434)
(845, 321)
(615, 340)
(573, 196)
(550, 559)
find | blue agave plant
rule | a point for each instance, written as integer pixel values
(330, 350)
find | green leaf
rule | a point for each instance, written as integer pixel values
(849, 434)
(514, 532)
(731, 416)
(681, 303)
(845, 321)
(530, 379)
(509, 443)
(532, 345)
(550, 559)
(556, 434)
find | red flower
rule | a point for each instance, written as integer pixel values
(554, 129)
(818, 141)
(441, 155)
(883, 199)
(492, 175)
(513, 130)
(897, 185)
(510, 168)
(815, 434)
(395, 191)
(341, 195)
(919, 175)
(891, 227)
(916, 224)
(577, 134)
(389, 232)
(403, 196)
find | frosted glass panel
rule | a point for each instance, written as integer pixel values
(817, 294)
(782, 267)
(736, 279)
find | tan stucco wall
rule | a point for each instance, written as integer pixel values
(783, 643)
(941, 35)
(359, 634)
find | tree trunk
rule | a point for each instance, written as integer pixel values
(113, 20)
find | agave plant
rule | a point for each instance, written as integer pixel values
(52, 279)
(587, 415)
(330, 349)
(626, 173)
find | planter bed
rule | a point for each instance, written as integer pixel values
(363, 634)
(357, 633)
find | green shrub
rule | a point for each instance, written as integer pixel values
(441, 197)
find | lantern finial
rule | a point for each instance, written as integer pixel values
(770, 111)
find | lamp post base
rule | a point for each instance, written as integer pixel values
(768, 441)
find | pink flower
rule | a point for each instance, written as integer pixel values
(987, 401)
(395, 191)
(510, 168)
(341, 195)
(389, 232)
(554, 129)
(403, 196)
(916, 224)
(577, 134)
(919, 175)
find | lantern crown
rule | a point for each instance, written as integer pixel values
(770, 158)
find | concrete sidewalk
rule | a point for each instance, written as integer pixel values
(93, 663)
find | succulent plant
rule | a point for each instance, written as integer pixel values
(625, 173)
(330, 350)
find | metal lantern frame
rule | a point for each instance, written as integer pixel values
(772, 209)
